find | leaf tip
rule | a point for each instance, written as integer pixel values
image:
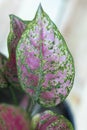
(40, 6)
(11, 16)
(39, 10)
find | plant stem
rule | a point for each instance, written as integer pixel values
(30, 106)
(13, 96)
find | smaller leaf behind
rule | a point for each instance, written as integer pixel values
(17, 27)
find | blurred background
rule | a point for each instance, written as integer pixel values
(70, 16)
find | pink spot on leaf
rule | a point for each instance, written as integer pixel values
(48, 95)
(32, 61)
(48, 77)
(62, 58)
(50, 36)
(30, 91)
(33, 79)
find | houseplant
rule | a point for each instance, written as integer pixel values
(39, 71)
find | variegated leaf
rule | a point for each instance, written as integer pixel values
(50, 121)
(17, 27)
(45, 65)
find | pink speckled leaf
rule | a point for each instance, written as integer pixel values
(45, 65)
(50, 121)
(13, 118)
(17, 27)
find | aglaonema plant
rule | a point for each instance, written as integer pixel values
(40, 65)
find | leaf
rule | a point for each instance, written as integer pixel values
(50, 121)
(12, 117)
(3, 61)
(44, 63)
(3, 81)
(17, 27)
